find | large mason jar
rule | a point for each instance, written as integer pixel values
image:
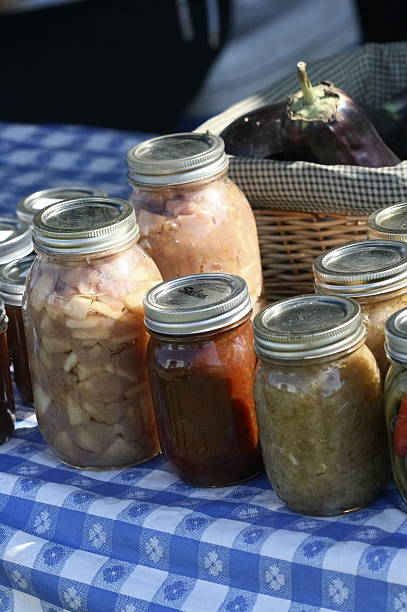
(193, 218)
(374, 273)
(318, 403)
(86, 340)
(201, 364)
(395, 397)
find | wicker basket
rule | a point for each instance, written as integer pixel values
(302, 209)
(290, 241)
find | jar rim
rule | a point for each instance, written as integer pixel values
(175, 159)
(197, 303)
(85, 226)
(308, 327)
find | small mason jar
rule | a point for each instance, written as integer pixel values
(395, 397)
(374, 273)
(12, 284)
(201, 364)
(318, 403)
(83, 317)
(389, 223)
(193, 218)
(30, 205)
(7, 408)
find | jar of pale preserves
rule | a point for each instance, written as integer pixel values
(12, 284)
(318, 403)
(389, 223)
(201, 364)
(83, 317)
(373, 272)
(193, 218)
(30, 205)
(395, 398)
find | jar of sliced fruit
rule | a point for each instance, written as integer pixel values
(86, 339)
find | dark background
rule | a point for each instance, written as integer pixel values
(124, 64)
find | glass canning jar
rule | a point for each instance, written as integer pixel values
(7, 408)
(84, 323)
(389, 223)
(30, 205)
(12, 283)
(193, 218)
(395, 397)
(201, 364)
(318, 403)
(374, 273)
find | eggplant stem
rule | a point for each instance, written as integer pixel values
(308, 94)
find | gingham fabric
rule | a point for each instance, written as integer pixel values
(370, 74)
(140, 539)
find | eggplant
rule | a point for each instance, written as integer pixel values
(322, 124)
(256, 134)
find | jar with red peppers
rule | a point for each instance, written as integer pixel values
(12, 282)
(193, 218)
(395, 397)
(201, 366)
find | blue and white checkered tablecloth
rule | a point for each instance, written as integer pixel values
(140, 539)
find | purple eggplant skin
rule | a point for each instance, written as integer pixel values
(322, 124)
(256, 134)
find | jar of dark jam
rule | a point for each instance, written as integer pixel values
(201, 365)
(12, 282)
(30, 205)
(7, 408)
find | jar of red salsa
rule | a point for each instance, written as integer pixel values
(201, 365)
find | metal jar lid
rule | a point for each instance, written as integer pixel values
(395, 333)
(84, 225)
(359, 269)
(15, 239)
(196, 303)
(389, 222)
(29, 206)
(307, 327)
(3, 316)
(12, 279)
(177, 158)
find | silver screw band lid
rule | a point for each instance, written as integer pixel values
(389, 222)
(195, 304)
(12, 279)
(307, 327)
(85, 225)
(15, 239)
(176, 159)
(368, 267)
(395, 334)
(28, 206)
